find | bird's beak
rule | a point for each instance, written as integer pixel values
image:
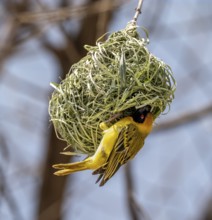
(149, 120)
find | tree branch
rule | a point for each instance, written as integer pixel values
(184, 119)
(68, 12)
(135, 210)
(138, 11)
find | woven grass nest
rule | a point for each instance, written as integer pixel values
(115, 76)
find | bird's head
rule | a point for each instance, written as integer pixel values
(144, 117)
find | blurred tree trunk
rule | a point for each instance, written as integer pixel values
(207, 215)
(52, 188)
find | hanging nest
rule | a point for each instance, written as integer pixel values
(115, 76)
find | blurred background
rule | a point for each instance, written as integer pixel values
(171, 177)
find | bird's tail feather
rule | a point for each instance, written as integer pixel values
(68, 168)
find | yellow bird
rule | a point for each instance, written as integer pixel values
(120, 143)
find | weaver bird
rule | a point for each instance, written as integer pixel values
(120, 143)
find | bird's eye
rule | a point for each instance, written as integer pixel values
(142, 116)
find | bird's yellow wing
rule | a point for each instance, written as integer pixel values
(128, 143)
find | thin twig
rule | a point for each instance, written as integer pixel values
(138, 11)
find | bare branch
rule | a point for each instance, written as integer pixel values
(135, 210)
(184, 119)
(68, 12)
(138, 11)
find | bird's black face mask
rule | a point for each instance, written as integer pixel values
(140, 114)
